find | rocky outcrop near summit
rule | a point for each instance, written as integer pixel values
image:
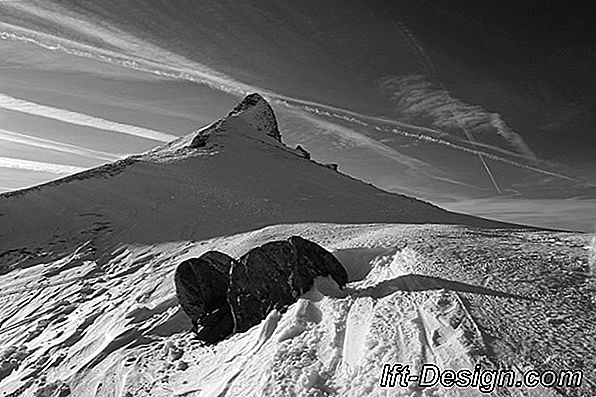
(302, 152)
(223, 296)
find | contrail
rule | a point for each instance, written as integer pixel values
(319, 110)
(488, 155)
(373, 121)
(38, 166)
(85, 120)
(231, 86)
(431, 69)
(42, 143)
(197, 73)
(361, 140)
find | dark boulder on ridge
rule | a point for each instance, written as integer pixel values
(201, 287)
(222, 296)
(274, 276)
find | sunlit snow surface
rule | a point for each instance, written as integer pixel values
(419, 294)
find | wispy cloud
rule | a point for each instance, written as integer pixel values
(38, 166)
(350, 138)
(416, 132)
(418, 99)
(49, 144)
(85, 120)
(127, 51)
(134, 54)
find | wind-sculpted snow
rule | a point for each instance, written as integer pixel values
(417, 294)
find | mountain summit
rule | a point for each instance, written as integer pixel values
(232, 176)
(257, 112)
(253, 111)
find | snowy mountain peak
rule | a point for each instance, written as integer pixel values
(257, 112)
(254, 111)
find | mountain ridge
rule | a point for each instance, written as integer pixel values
(243, 177)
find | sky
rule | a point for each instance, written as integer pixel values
(481, 107)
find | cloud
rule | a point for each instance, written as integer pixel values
(42, 143)
(418, 99)
(349, 137)
(313, 110)
(67, 116)
(38, 166)
(132, 54)
(112, 46)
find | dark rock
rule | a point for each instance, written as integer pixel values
(201, 287)
(199, 141)
(302, 152)
(216, 325)
(259, 283)
(319, 261)
(222, 296)
(274, 276)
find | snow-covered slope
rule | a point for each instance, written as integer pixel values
(448, 295)
(88, 307)
(242, 179)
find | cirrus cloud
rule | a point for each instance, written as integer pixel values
(38, 166)
(416, 98)
(85, 120)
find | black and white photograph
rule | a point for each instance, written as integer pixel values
(332, 198)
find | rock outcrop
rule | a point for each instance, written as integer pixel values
(222, 295)
(201, 287)
(302, 152)
(200, 140)
(274, 276)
